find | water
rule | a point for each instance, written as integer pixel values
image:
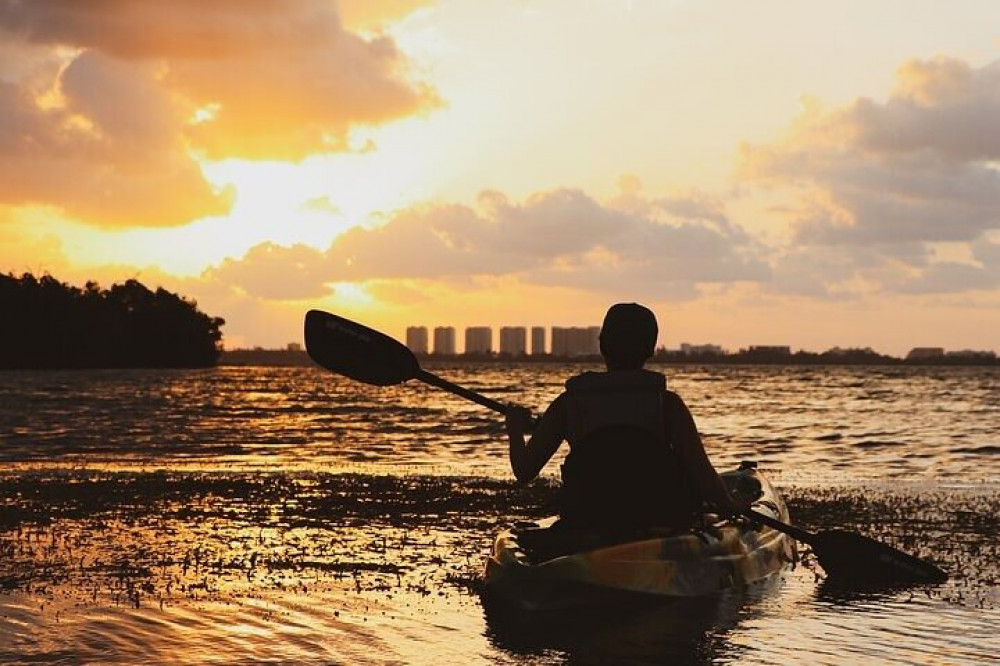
(288, 515)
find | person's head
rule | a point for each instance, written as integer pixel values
(628, 336)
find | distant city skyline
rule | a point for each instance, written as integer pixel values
(293, 354)
(444, 340)
(513, 340)
(571, 341)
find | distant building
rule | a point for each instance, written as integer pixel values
(576, 341)
(971, 354)
(593, 339)
(560, 341)
(699, 350)
(478, 340)
(416, 339)
(294, 347)
(537, 340)
(513, 340)
(850, 351)
(770, 350)
(444, 340)
(921, 353)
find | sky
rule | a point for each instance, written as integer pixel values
(786, 172)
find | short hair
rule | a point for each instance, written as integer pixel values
(628, 335)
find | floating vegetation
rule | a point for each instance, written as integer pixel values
(134, 539)
(129, 539)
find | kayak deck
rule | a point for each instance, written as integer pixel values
(544, 566)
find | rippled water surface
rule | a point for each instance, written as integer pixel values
(288, 515)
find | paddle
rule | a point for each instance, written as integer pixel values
(853, 558)
(363, 354)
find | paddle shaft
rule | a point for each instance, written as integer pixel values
(796, 533)
(434, 380)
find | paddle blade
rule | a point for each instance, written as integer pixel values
(356, 351)
(854, 558)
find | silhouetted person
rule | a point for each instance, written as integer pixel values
(635, 457)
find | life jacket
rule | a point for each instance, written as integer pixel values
(621, 470)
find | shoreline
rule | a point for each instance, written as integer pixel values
(299, 358)
(294, 358)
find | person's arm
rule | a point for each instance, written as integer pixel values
(687, 443)
(528, 459)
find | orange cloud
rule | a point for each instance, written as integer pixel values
(291, 104)
(275, 272)
(135, 29)
(110, 153)
(561, 238)
(101, 103)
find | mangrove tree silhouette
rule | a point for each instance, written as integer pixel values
(50, 324)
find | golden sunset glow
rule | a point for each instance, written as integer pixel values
(800, 173)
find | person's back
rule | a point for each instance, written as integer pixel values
(621, 470)
(635, 455)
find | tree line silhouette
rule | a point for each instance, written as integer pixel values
(50, 324)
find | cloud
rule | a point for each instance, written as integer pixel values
(919, 167)
(274, 272)
(102, 103)
(557, 233)
(109, 155)
(297, 102)
(942, 106)
(692, 204)
(557, 238)
(277, 79)
(190, 29)
(987, 253)
(951, 277)
(899, 176)
(980, 272)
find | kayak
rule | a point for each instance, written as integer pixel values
(543, 566)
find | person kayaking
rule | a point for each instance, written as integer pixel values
(635, 456)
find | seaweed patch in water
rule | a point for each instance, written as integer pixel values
(133, 539)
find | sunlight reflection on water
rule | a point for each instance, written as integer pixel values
(284, 514)
(800, 422)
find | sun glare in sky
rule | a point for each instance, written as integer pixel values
(795, 173)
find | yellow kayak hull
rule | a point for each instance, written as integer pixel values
(707, 560)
